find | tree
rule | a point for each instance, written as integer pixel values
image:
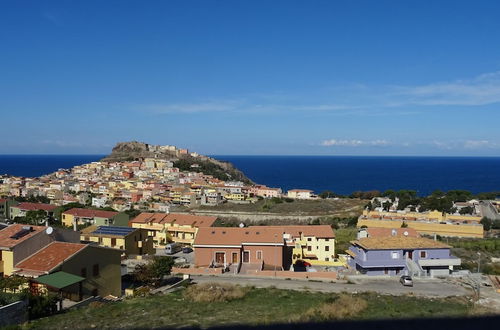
(486, 222)
(327, 194)
(404, 225)
(466, 210)
(36, 217)
(162, 266)
(153, 273)
(387, 205)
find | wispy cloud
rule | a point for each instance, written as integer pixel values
(481, 90)
(353, 143)
(480, 144)
(354, 99)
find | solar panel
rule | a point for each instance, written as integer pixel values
(109, 230)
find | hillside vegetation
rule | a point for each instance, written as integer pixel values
(267, 306)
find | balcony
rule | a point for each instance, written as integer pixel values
(440, 262)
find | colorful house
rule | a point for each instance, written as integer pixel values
(133, 241)
(18, 242)
(398, 255)
(314, 244)
(241, 250)
(80, 216)
(171, 227)
(95, 270)
(21, 209)
(300, 194)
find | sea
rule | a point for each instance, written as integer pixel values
(340, 174)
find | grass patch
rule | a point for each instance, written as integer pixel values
(255, 307)
(344, 306)
(214, 292)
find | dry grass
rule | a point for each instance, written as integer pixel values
(215, 292)
(345, 306)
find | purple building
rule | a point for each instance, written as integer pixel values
(401, 255)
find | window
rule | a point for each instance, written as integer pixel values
(423, 254)
(259, 255)
(327, 248)
(113, 241)
(95, 270)
(100, 240)
(309, 239)
(83, 272)
(327, 259)
(395, 255)
(327, 240)
(309, 248)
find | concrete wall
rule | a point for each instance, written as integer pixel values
(254, 217)
(14, 313)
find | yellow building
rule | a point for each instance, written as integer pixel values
(314, 244)
(235, 197)
(429, 223)
(132, 241)
(171, 227)
(17, 242)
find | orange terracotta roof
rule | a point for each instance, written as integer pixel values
(87, 213)
(320, 231)
(236, 236)
(50, 257)
(35, 206)
(5, 234)
(399, 242)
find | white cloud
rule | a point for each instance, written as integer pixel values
(353, 143)
(481, 90)
(480, 144)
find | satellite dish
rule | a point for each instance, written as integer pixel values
(405, 233)
(394, 232)
(49, 230)
(242, 225)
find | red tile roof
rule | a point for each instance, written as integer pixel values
(87, 213)
(50, 257)
(235, 236)
(35, 206)
(5, 234)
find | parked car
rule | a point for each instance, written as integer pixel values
(187, 249)
(406, 280)
(301, 266)
(172, 248)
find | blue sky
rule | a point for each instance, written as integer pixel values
(251, 77)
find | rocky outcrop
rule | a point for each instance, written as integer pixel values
(128, 151)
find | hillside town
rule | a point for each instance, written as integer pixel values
(103, 223)
(144, 184)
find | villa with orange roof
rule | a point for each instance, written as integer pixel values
(172, 227)
(300, 194)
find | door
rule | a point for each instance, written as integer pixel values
(234, 259)
(219, 257)
(410, 255)
(246, 256)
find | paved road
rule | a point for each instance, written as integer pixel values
(428, 288)
(488, 210)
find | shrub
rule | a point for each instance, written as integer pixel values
(345, 306)
(215, 292)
